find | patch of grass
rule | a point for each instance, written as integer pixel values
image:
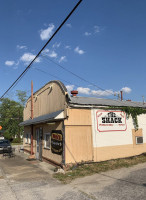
(88, 169)
(21, 143)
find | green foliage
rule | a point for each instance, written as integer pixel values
(11, 114)
(92, 168)
(16, 140)
(22, 97)
(133, 112)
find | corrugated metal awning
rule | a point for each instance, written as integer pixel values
(55, 116)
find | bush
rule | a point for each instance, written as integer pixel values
(16, 140)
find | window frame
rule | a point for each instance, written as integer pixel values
(136, 140)
(45, 142)
(28, 139)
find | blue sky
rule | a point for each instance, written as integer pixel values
(103, 41)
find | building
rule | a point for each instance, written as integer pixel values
(71, 129)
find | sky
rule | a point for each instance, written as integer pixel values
(103, 42)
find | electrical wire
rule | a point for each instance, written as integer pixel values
(28, 67)
(81, 78)
(69, 71)
(46, 73)
(54, 76)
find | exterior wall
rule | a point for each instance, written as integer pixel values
(27, 146)
(46, 153)
(48, 99)
(78, 136)
(118, 144)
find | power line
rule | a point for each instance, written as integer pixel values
(28, 67)
(54, 76)
(81, 78)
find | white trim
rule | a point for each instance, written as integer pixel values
(27, 139)
(45, 140)
(60, 116)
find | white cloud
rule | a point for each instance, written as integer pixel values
(98, 93)
(87, 33)
(67, 47)
(15, 67)
(83, 90)
(17, 63)
(45, 34)
(88, 91)
(96, 29)
(10, 63)
(126, 90)
(28, 57)
(102, 92)
(63, 58)
(79, 51)
(21, 47)
(70, 87)
(56, 45)
(69, 25)
(46, 51)
(52, 54)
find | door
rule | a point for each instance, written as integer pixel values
(39, 133)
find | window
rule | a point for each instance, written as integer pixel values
(47, 141)
(139, 140)
(28, 139)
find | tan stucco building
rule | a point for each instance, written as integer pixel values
(76, 129)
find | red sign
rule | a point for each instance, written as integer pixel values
(0, 127)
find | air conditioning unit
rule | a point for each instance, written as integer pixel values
(139, 140)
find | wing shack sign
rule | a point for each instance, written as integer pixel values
(111, 121)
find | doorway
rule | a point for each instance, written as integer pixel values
(39, 135)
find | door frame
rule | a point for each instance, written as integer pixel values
(39, 138)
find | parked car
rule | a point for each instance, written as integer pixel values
(2, 138)
(4, 144)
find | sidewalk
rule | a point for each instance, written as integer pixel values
(42, 165)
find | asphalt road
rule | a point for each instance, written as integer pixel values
(31, 180)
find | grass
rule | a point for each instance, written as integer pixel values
(88, 169)
(21, 143)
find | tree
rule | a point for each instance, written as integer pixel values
(22, 97)
(11, 114)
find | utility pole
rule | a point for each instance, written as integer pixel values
(121, 95)
(32, 118)
(143, 99)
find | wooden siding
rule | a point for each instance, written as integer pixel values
(46, 129)
(47, 152)
(48, 99)
(78, 136)
(78, 117)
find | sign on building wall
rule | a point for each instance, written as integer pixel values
(57, 142)
(111, 121)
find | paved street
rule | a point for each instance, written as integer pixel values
(32, 180)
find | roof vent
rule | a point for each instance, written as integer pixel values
(74, 93)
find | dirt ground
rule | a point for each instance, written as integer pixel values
(21, 179)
